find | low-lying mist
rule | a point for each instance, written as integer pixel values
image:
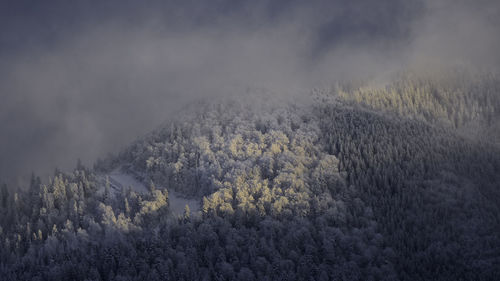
(88, 87)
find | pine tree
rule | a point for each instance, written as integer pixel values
(152, 186)
(187, 213)
(4, 195)
(106, 194)
(127, 207)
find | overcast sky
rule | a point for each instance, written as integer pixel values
(79, 79)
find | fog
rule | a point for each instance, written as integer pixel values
(85, 79)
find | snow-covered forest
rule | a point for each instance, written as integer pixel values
(354, 182)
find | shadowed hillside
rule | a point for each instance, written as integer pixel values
(353, 184)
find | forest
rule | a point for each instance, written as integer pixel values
(357, 181)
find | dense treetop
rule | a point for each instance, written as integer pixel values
(354, 183)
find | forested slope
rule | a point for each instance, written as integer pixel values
(348, 185)
(464, 100)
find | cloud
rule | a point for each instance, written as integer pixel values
(458, 33)
(79, 84)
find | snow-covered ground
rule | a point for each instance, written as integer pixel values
(178, 203)
(119, 179)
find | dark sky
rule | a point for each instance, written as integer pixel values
(79, 79)
(31, 25)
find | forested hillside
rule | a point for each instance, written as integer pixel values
(355, 183)
(460, 99)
